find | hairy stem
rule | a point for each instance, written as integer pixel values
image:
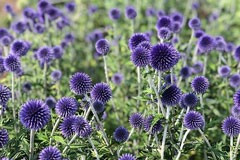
(31, 150)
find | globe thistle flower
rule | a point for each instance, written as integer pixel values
(164, 33)
(171, 96)
(224, 71)
(194, 23)
(56, 75)
(197, 67)
(66, 106)
(193, 120)
(27, 87)
(156, 128)
(130, 12)
(12, 63)
(117, 78)
(114, 14)
(190, 99)
(2, 67)
(150, 12)
(236, 98)
(230, 47)
(19, 48)
(64, 44)
(92, 9)
(186, 72)
(200, 84)
(29, 13)
(177, 17)
(181, 102)
(237, 54)
(94, 36)
(136, 120)
(66, 126)
(195, 5)
(167, 79)
(121, 134)
(57, 52)
(3, 137)
(39, 28)
(8, 8)
(206, 43)
(50, 102)
(80, 83)
(34, 114)
(163, 21)
(163, 57)
(19, 27)
(101, 92)
(175, 40)
(147, 45)
(45, 54)
(43, 6)
(198, 33)
(140, 57)
(234, 80)
(214, 16)
(102, 46)
(98, 106)
(235, 111)
(82, 127)
(6, 40)
(231, 126)
(53, 13)
(19, 72)
(220, 45)
(50, 152)
(136, 39)
(127, 156)
(160, 13)
(176, 27)
(4, 158)
(70, 6)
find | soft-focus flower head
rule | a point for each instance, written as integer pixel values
(102, 46)
(64, 44)
(152, 128)
(147, 45)
(136, 120)
(236, 98)
(50, 102)
(66, 126)
(150, 12)
(164, 21)
(12, 63)
(114, 14)
(43, 6)
(101, 92)
(53, 13)
(6, 40)
(2, 67)
(121, 134)
(198, 33)
(195, 5)
(127, 156)
(190, 99)
(234, 80)
(197, 67)
(206, 43)
(220, 45)
(98, 106)
(176, 27)
(200, 84)
(29, 13)
(50, 153)
(177, 17)
(186, 72)
(82, 127)
(3, 137)
(57, 52)
(140, 57)
(224, 71)
(66, 106)
(231, 126)
(167, 79)
(39, 28)
(56, 75)
(70, 6)
(8, 8)
(27, 87)
(80, 83)
(163, 57)
(229, 47)
(136, 39)
(235, 111)
(3, 32)
(45, 54)
(130, 12)
(19, 27)
(193, 120)
(175, 40)
(19, 48)
(117, 78)
(92, 9)
(164, 33)
(34, 114)
(94, 36)
(237, 54)
(160, 13)
(171, 96)
(214, 16)
(194, 23)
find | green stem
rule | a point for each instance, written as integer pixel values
(139, 85)
(105, 69)
(159, 80)
(31, 150)
(231, 148)
(45, 77)
(236, 148)
(182, 144)
(54, 128)
(13, 100)
(130, 134)
(69, 143)
(205, 64)
(94, 148)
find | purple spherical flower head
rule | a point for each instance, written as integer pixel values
(102, 46)
(19, 27)
(98, 106)
(57, 52)
(190, 99)
(186, 72)
(175, 40)
(235, 111)
(50, 102)
(130, 12)
(66, 126)
(43, 6)
(127, 156)
(114, 14)
(66, 106)
(164, 33)
(70, 6)
(8, 8)
(140, 57)
(12, 63)
(160, 13)
(2, 67)
(26, 86)
(231, 126)
(3, 137)
(195, 5)
(50, 153)
(177, 17)
(82, 127)
(224, 71)
(45, 54)
(194, 23)
(163, 57)
(200, 84)
(234, 80)
(171, 96)
(152, 128)
(29, 13)
(164, 21)
(6, 40)
(136, 39)
(39, 28)
(230, 47)
(193, 120)
(64, 44)
(117, 78)
(167, 79)
(92, 9)
(95, 35)
(19, 48)
(101, 92)
(176, 27)
(136, 120)
(80, 83)
(69, 38)
(121, 134)
(3, 32)
(53, 13)
(206, 43)
(181, 102)
(34, 114)
(147, 45)
(198, 33)
(5, 94)
(56, 75)
(220, 45)
(150, 12)
(236, 98)
(197, 67)
(237, 54)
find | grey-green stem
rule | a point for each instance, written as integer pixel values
(31, 149)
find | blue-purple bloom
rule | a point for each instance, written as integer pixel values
(136, 39)
(234, 80)
(171, 96)
(6, 40)
(136, 120)
(148, 125)
(26, 86)
(3, 137)
(50, 102)
(114, 14)
(164, 33)
(206, 43)
(19, 48)
(66, 106)
(198, 33)
(177, 17)
(230, 47)
(43, 6)
(121, 134)
(50, 153)
(236, 98)
(102, 46)
(193, 120)
(237, 54)
(186, 72)
(101, 92)
(130, 12)
(197, 67)
(56, 75)
(190, 99)
(12, 63)
(140, 57)
(98, 106)
(19, 27)
(82, 127)
(69, 38)
(45, 54)
(127, 156)
(80, 83)
(117, 78)
(150, 12)
(2, 67)
(235, 111)
(194, 23)
(200, 84)
(167, 79)
(70, 6)
(66, 126)
(57, 52)
(224, 71)
(163, 21)
(5, 94)
(231, 126)
(39, 28)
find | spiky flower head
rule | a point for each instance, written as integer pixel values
(171, 96)
(197, 67)
(114, 14)
(50, 153)
(235, 111)
(237, 54)
(148, 125)
(164, 21)
(136, 120)
(234, 80)
(190, 99)
(186, 72)
(80, 83)
(5, 94)
(224, 71)
(82, 127)
(66, 106)
(56, 75)
(45, 54)
(136, 39)
(200, 84)
(101, 92)
(117, 78)
(12, 63)
(164, 33)
(206, 43)
(3, 137)
(236, 98)
(70, 6)
(231, 126)
(140, 57)
(98, 106)
(102, 46)
(50, 102)
(194, 23)
(121, 134)
(130, 12)
(66, 126)
(127, 156)
(57, 52)
(193, 120)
